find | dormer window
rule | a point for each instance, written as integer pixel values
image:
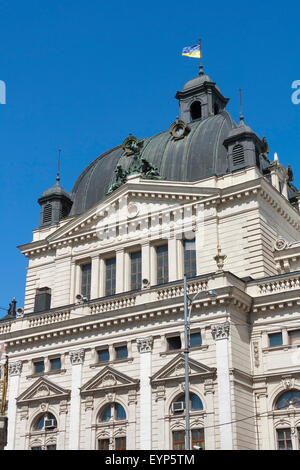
(195, 110)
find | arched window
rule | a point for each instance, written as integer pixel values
(45, 422)
(47, 214)
(177, 415)
(195, 110)
(195, 403)
(287, 399)
(43, 432)
(111, 427)
(115, 411)
(238, 157)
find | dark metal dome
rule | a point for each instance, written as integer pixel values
(200, 154)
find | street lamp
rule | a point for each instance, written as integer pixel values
(188, 305)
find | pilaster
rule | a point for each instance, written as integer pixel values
(144, 346)
(220, 333)
(76, 359)
(14, 372)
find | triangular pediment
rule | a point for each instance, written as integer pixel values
(109, 379)
(175, 370)
(130, 199)
(43, 390)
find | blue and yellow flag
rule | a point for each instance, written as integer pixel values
(192, 51)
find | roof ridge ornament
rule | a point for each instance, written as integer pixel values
(242, 123)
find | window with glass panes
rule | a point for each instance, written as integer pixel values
(198, 438)
(178, 440)
(103, 444)
(120, 443)
(55, 364)
(103, 355)
(39, 367)
(121, 352)
(284, 440)
(162, 264)
(190, 258)
(86, 280)
(275, 339)
(136, 270)
(195, 339)
(110, 284)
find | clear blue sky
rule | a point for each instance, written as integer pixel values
(81, 75)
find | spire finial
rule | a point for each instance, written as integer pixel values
(58, 168)
(201, 72)
(241, 109)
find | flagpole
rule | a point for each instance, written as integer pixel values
(201, 65)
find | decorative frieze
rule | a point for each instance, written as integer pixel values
(14, 368)
(220, 331)
(144, 344)
(76, 357)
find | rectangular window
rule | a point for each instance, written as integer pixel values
(86, 280)
(294, 337)
(195, 339)
(198, 439)
(284, 440)
(121, 352)
(103, 444)
(275, 339)
(136, 270)
(190, 258)
(36, 448)
(51, 447)
(55, 364)
(103, 355)
(110, 276)
(178, 440)
(39, 367)
(162, 264)
(120, 443)
(174, 343)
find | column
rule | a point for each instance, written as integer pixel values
(72, 282)
(102, 269)
(76, 358)
(153, 266)
(14, 372)
(77, 280)
(95, 277)
(220, 333)
(145, 347)
(146, 261)
(172, 259)
(119, 271)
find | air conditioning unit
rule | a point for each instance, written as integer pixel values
(50, 423)
(178, 406)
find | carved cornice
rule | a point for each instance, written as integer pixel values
(145, 344)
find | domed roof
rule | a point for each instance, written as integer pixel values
(200, 154)
(198, 81)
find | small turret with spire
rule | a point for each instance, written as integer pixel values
(55, 202)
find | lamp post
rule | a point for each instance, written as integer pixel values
(188, 305)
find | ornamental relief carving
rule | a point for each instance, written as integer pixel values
(109, 380)
(76, 357)
(14, 368)
(42, 391)
(281, 244)
(144, 344)
(288, 382)
(220, 331)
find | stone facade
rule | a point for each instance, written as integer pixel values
(106, 369)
